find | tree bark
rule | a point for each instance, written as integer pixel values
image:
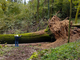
(38, 36)
(77, 13)
(37, 10)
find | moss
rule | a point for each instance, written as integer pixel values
(47, 30)
(0, 46)
(26, 37)
(34, 55)
(76, 25)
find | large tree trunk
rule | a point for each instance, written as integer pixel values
(38, 36)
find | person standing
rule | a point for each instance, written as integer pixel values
(17, 39)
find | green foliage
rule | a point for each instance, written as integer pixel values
(20, 18)
(2, 24)
(69, 51)
(14, 8)
(3, 5)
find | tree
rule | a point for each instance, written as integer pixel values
(48, 10)
(69, 20)
(77, 12)
(37, 10)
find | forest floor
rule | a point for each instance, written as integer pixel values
(25, 50)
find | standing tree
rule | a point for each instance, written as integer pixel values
(77, 13)
(69, 21)
(37, 10)
(48, 10)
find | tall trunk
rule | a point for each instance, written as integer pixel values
(77, 13)
(61, 6)
(43, 12)
(52, 5)
(45, 1)
(69, 20)
(48, 10)
(51, 8)
(32, 0)
(15, 0)
(37, 10)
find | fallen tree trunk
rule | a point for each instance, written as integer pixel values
(26, 37)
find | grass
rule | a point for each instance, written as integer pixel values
(68, 51)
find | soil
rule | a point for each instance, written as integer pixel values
(19, 53)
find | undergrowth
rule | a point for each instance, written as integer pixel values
(4, 49)
(70, 51)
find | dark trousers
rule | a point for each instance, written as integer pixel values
(16, 42)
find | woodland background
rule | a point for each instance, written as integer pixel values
(16, 17)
